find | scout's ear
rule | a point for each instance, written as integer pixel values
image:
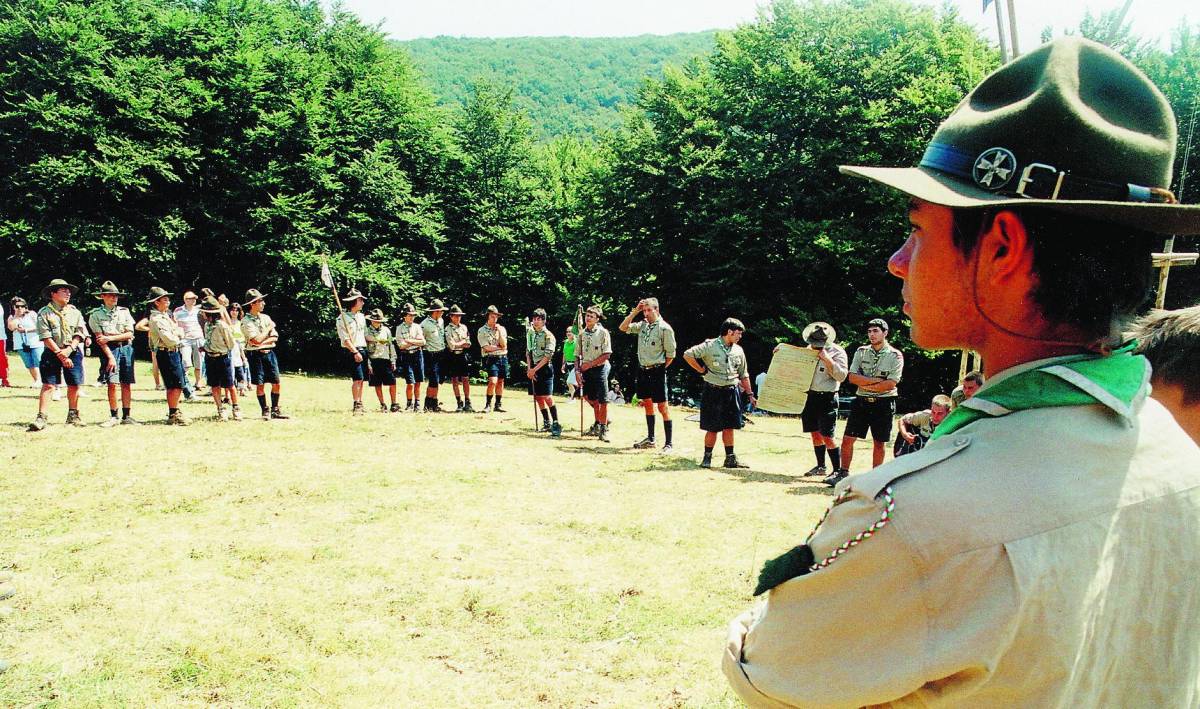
(795, 562)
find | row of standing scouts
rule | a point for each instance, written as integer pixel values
(229, 348)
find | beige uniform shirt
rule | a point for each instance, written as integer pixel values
(542, 344)
(726, 365)
(435, 334)
(218, 338)
(352, 327)
(61, 326)
(887, 363)
(165, 333)
(380, 344)
(921, 421)
(828, 379)
(258, 326)
(409, 331)
(117, 321)
(656, 342)
(1045, 558)
(458, 337)
(487, 336)
(591, 344)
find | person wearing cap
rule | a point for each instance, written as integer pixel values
(458, 359)
(351, 331)
(410, 340)
(381, 358)
(539, 368)
(25, 342)
(261, 338)
(1170, 339)
(112, 332)
(971, 382)
(876, 370)
(61, 328)
(1042, 549)
(592, 352)
(219, 345)
(166, 338)
(656, 351)
(722, 363)
(433, 328)
(820, 413)
(493, 343)
(191, 351)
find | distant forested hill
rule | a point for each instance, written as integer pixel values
(567, 85)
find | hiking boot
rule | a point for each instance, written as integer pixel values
(177, 419)
(487, 409)
(498, 410)
(667, 448)
(358, 409)
(731, 461)
(556, 430)
(593, 430)
(603, 433)
(839, 474)
(73, 418)
(222, 415)
(458, 409)
(644, 444)
(277, 414)
(110, 422)
(237, 413)
(38, 424)
(395, 408)
(545, 427)
(467, 409)
(816, 470)
(706, 462)
(266, 414)
(131, 421)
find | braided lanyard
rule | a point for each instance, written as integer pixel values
(886, 516)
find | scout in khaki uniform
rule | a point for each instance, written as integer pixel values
(62, 331)
(876, 370)
(1043, 549)
(722, 363)
(261, 338)
(458, 359)
(351, 331)
(592, 353)
(819, 417)
(917, 428)
(493, 343)
(381, 356)
(970, 384)
(1170, 339)
(112, 331)
(219, 344)
(656, 351)
(166, 338)
(539, 368)
(410, 341)
(433, 328)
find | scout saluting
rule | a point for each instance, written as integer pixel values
(433, 328)
(723, 364)
(410, 340)
(539, 367)
(458, 361)
(351, 330)
(493, 343)
(62, 330)
(381, 356)
(112, 331)
(656, 351)
(165, 337)
(261, 338)
(219, 344)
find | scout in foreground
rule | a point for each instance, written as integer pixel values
(1043, 548)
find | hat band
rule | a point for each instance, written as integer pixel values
(995, 169)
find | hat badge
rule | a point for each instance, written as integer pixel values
(994, 168)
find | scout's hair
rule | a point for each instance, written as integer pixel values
(730, 325)
(652, 302)
(1092, 274)
(976, 377)
(1170, 339)
(942, 400)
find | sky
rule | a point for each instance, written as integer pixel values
(410, 19)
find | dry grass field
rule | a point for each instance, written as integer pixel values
(387, 560)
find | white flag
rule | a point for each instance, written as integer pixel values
(326, 276)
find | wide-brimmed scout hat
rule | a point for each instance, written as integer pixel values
(353, 295)
(109, 288)
(455, 310)
(409, 309)
(435, 306)
(819, 333)
(1072, 126)
(252, 295)
(597, 310)
(55, 285)
(492, 310)
(155, 294)
(376, 315)
(210, 305)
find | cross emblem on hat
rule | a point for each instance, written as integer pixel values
(994, 168)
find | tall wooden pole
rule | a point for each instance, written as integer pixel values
(1160, 297)
(1012, 29)
(1000, 33)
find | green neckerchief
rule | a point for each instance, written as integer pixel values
(1117, 381)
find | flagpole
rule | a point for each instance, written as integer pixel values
(1012, 28)
(578, 360)
(1000, 32)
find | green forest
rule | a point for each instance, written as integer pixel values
(232, 143)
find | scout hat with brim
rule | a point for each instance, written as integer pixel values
(252, 296)
(1072, 126)
(55, 285)
(376, 315)
(819, 333)
(409, 309)
(155, 294)
(435, 306)
(108, 288)
(353, 295)
(455, 310)
(596, 310)
(492, 310)
(210, 305)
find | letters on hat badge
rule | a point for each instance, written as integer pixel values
(994, 168)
